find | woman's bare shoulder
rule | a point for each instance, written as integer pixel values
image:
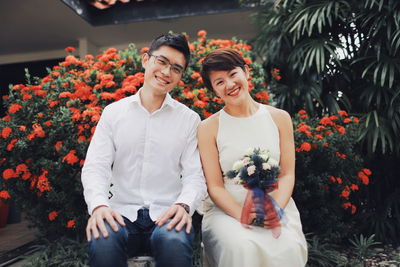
(277, 113)
(210, 125)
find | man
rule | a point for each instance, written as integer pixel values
(145, 145)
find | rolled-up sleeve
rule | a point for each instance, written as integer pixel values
(194, 187)
(96, 172)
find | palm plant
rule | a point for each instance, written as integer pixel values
(337, 54)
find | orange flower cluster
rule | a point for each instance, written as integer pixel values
(326, 127)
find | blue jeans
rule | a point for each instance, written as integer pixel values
(142, 237)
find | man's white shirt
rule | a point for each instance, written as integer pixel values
(137, 159)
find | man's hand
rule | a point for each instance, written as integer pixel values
(179, 218)
(96, 222)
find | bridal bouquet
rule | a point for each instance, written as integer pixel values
(258, 173)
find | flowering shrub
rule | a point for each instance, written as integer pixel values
(50, 121)
(329, 173)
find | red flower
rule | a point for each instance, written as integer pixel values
(9, 173)
(38, 130)
(71, 158)
(69, 49)
(302, 111)
(333, 118)
(341, 155)
(43, 182)
(345, 193)
(26, 97)
(305, 147)
(326, 121)
(4, 194)
(10, 146)
(364, 178)
(303, 128)
(343, 113)
(26, 176)
(200, 104)
(367, 171)
(6, 132)
(57, 146)
(71, 224)
(55, 73)
(353, 209)
(339, 180)
(346, 205)
(52, 103)
(21, 168)
(6, 118)
(347, 120)
(319, 137)
(53, 215)
(201, 33)
(354, 187)
(341, 130)
(14, 108)
(262, 95)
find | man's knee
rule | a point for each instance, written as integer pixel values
(171, 238)
(111, 249)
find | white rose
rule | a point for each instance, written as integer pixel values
(251, 170)
(246, 160)
(273, 162)
(265, 157)
(238, 165)
(266, 166)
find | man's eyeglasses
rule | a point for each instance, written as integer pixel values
(164, 63)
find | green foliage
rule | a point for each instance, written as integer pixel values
(61, 252)
(321, 254)
(337, 54)
(362, 245)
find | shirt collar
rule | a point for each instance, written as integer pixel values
(168, 101)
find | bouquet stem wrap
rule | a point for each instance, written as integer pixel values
(267, 213)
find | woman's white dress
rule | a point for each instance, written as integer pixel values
(226, 242)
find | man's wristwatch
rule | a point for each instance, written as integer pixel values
(185, 206)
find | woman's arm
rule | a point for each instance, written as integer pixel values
(287, 161)
(207, 132)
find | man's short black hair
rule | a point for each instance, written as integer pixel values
(176, 41)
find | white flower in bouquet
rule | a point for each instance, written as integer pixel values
(273, 162)
(246, 160)
(266, 166)
(238, 165)
(251, 170)
(265, 156)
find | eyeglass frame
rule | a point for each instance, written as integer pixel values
(168, 64)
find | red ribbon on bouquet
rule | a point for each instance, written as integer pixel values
(267, 213)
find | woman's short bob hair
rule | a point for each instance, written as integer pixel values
(220, 59)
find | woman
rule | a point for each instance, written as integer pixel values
(223, 139)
